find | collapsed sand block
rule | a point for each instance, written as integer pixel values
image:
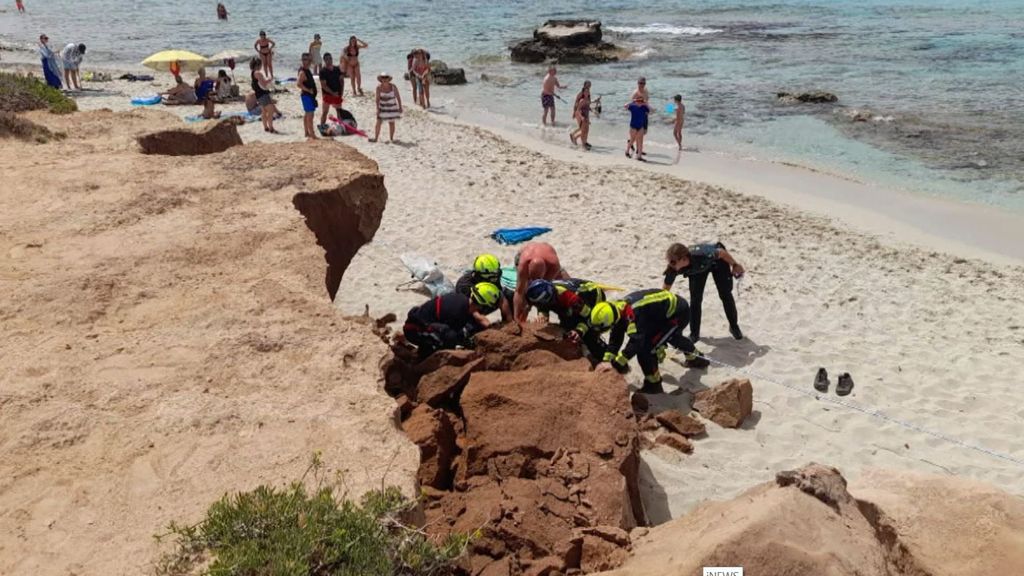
(675, 441)
(682, 424)
(433, 432)
(547, 454)
(727, 404)
(206, 139)
(808, 522)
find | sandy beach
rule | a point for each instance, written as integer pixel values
(932, 339)
(926, 315)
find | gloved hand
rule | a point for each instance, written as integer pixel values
(621, 364)
(573, 336)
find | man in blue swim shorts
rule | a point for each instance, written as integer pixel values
(307, 85)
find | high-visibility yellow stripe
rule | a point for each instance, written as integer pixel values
(658, 297)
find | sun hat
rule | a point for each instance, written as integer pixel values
(383, 75)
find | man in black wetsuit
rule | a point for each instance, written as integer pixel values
(448, 321)
(696, 263)
(651, 320)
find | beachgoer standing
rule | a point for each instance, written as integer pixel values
(51, 70)
(71, 56)
(644, 96)
(677, 130)
(696, 263)
(389, 106)
(314, 53)
(333, 86)
(420, 75)
(638, 113)
(350, 63)
(547, 95)
(20, 5)
(307, 85)
(581, 112)
(265, 48)
(261, 84)
(222, 12)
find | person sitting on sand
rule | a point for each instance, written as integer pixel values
(265, 48)
(350, 63)
(308, 92)
(547, 95)
(581, 112)
(71, 57)
(222, 12)
(420, 71)
(486, 268)
(572, 301)
(223, 86)
(677, 128)
(696, 263)
(536, 260)
(333, 86)
(203, 86)
(182, 93)
(652, 320)
(389, 106)
(261, 84)
(209, 105)
(448, 321)
(638, 113)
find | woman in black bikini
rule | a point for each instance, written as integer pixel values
(350, 55)
(265, 48)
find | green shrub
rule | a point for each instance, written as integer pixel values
(293, 531)
(23, 93)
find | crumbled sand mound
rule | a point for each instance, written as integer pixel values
(167, 337)
(807, 522)
(521, 440)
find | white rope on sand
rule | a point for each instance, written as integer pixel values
(874, 413)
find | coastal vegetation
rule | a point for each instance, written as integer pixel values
(309, 530)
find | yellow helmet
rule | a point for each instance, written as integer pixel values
(604, 316)
(485, 294)
(487, 266)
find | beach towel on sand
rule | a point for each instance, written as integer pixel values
(509, 236)
(429, 273)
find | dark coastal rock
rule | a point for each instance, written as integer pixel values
(808, 97)
(568, 42)
(445, 76)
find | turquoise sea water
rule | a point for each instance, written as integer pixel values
(942, 79)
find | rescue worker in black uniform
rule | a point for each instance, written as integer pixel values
(697, 263)
(448, 321)
(649, 321)
(487, 268)
(572, 301)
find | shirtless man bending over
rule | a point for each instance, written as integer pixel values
(537, 260)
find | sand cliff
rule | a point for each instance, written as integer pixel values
(169, 336)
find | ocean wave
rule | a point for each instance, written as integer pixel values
(665, 29)
(643, 53)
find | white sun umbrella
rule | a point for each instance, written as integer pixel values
(230, 58)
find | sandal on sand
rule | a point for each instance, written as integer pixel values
(821, 380)
(845, 384)
(628, 155)
(573, 138)
(587, 146)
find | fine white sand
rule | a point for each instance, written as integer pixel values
(931, 337)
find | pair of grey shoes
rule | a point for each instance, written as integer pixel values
(843, 387)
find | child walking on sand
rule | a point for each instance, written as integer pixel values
(389, 106)
(677, 131)
(638, 111)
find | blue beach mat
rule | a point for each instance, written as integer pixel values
(508, 236)
(146, 100)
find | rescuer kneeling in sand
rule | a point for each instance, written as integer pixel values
(651, 320)
(448, 321)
